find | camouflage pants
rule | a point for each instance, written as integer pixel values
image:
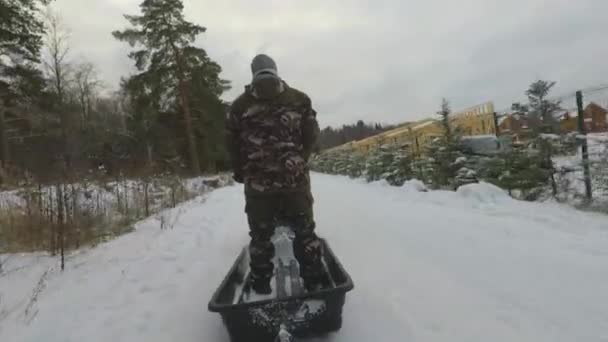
(294, 209)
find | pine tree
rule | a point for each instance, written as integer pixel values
(208, 106)
(519, 169)
(423, 169)
(21, 31)
(444, 152)
(401, 170)
(545, 144)
(167, 55)
(144, 104)
(466, 173)
(445, 122)
(542, 109)
(378, 164)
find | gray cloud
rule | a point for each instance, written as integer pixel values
(382, 60)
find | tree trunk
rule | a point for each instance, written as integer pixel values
(54, 224)
(61, 223)
(584, 146)
(83, 113)
(126, 190)
(149, 151)
(3, 140)
(147, 197)
(183, 97)
(192, 149)
(40, 218)
(211, 166)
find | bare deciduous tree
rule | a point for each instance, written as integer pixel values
(86, 83)
(56, 63)
(56, 50)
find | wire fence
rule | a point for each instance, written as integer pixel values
(580, 174)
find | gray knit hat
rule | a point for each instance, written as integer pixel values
(263, 66)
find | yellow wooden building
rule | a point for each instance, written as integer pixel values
(478, 120)
(416, 136)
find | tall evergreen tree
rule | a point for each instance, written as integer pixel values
(444, 151)
(445, 120)
(208, 106)
(21, 31)
(542, 109)
(145, 106)
(167, 54)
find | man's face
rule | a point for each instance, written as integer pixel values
(267, 87)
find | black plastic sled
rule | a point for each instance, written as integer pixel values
(290, 311)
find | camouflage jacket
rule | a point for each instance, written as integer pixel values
(270, 141)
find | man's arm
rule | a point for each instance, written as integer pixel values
(310, 130)
(233, 144)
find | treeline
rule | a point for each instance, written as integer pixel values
(58, 120)
(332, 137)
(62, 129)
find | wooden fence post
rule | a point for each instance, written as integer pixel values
(585, 148)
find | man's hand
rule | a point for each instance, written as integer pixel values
(238, 177)
(310, 131)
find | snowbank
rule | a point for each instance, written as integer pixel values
(483, 193)
(414, 185)
(9, 199)
(380, 183)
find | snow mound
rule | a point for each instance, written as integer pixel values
(380, 183)
(548, 136)
(460, 160)
(483, 193)
(414, 185)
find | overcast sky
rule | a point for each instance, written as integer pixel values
(378, 60)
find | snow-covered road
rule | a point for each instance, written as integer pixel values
(439, 266)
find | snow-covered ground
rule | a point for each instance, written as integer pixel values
(472, 265)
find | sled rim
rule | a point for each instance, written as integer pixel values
(344, 287)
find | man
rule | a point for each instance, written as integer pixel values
(272, 131)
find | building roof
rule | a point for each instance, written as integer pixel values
(424, 124)
(595, 106)
(485, 108)
(481, 109)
